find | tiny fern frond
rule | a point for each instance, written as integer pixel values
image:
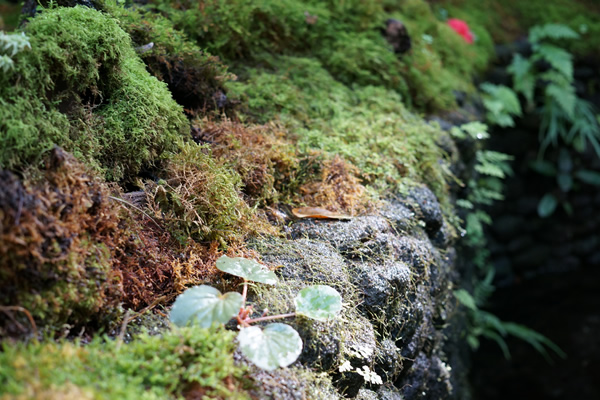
(493, 163)
(563, 96)
(560, 59)
(551, 31)
(523, 79)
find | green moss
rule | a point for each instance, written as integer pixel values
(81, 86)
(187, 360)
(194, 76)
(346, 38)
(201, 198)
(368, 126)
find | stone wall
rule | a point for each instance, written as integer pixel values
(395, 272)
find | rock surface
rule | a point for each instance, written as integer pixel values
(392, 266)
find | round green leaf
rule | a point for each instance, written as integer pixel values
(248, 269)
(205, 305)
(278, 345)
(547, 205)
(320, 302)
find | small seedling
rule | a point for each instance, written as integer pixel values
(277, 345)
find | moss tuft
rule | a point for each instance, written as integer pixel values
(369, 126)
(81, 86)
(190, 361)
(200, 198)
(195, 78)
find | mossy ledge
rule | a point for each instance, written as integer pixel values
(140, 143)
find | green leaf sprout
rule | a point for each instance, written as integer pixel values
(275, 345)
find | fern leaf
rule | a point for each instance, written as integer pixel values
(536, 339)
(523, 79)
(465, 299)
(493, 163)
(551, 31)
(501, 104)
(563, 96)
(490, 169)
(489, 320)
(466, 204)
(560, 59)
(505, 95)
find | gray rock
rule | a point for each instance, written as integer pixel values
(389, 393)
(366, 394)
(292, 383)
(399, 217)
(359, 348)
(380, 285)
(428, 378)
(388, 361)
(418, 254)
(309, 261)
(364, 238)
(425, 205)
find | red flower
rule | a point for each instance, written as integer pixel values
(461, 28)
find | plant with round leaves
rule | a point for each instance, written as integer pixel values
(275, 345)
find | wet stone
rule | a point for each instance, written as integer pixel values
(309, 261)
(428, 378)
(322, 342)
(418, 254)
(388, 361)
(445, 237)
(425, 205)
(362, 237)
(390, 393)
(366, 394)
(399, 216)
(380, 285)
(359, 349)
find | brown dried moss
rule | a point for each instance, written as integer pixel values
(260, 154)
(272, 170)
(56, 235)
(339, 188)
(156, 268)
(72, 255)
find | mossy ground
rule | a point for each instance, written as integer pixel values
(82, 87)
(322, 112)
(192, 362)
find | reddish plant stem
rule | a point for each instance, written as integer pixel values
(27, 314)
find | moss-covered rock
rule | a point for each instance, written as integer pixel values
(57, 237)
(81, 86)
(194, 77)
(347, 40)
